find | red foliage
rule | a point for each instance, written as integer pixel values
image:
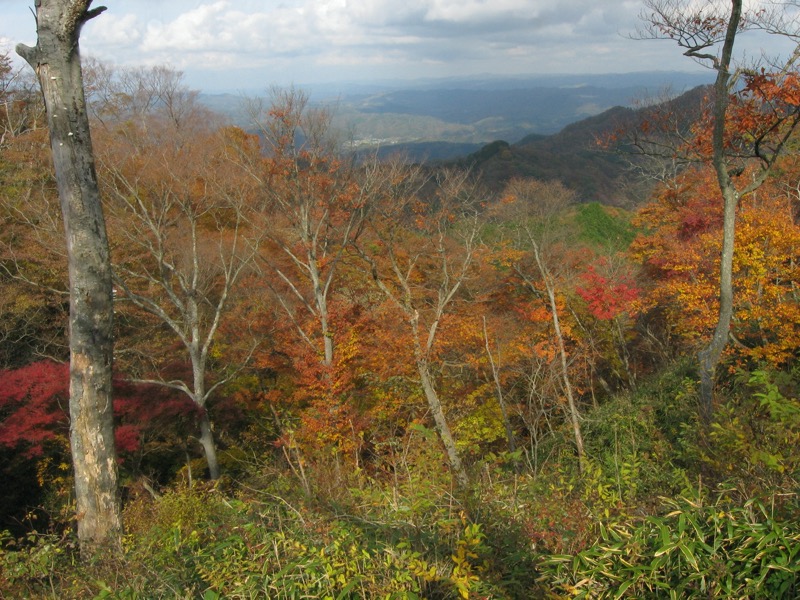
(34, 405)
(607, 296)
(34, 408)
(127, 437)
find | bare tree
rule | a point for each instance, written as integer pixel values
(56, 60)
(315, 205)
(20, 107)
(422, 260)
(540, 205)
(707, 32)
(178, 202)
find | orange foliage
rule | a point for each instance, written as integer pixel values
(681, 248)
(760, 118)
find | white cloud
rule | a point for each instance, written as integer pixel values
(196, 29)
(398, 36)
(475, 11)
(304, 40)
(114, 30)
(222, 27)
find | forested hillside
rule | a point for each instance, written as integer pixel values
(373, 378)
(482, 109)
(446, 119)
(586, 156)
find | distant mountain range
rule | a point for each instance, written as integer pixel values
(542, 126)
(574, 156)
(473, 110)
(483, 110)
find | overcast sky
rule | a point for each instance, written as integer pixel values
(249, 44)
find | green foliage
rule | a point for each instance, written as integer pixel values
(755, 436)
(697, 549)
(669, 401)
(29, 566)
(605, 227)
(629, 455)
(339, 564)
(199, 543)
(285, 555)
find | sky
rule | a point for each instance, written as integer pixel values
(228, 45)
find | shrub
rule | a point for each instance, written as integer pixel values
(695, 550)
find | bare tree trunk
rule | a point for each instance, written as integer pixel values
(434, 403)
(56, 60)
(209, 448)
(499, 389)
(572, 406)
(709, 356)
(441, 424)
(321, 300)
(199, 397)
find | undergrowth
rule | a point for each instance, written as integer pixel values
(660, 511)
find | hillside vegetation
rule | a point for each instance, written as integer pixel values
(444, 381)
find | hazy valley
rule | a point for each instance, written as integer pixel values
(456, 116)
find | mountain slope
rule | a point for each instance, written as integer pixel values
(574, 157)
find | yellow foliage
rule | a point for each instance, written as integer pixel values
(682, 246)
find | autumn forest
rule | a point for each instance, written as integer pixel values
(341, 376)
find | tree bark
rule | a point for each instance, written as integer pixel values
(574, 415)
(209, 448)
(499, 389)
(199, 396)
(56, 60)
(441, 425)
(709, 356)
(432, 397)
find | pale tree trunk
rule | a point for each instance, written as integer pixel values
(709, 356)
(209, 447)
(435, 404)
(56, 60)
(441, 425)
(199, 396)
(327, 334)
(321, 301)
(574, 415)
(499, 389)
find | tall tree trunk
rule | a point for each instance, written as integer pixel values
(441, 424)
(324, 321)
(432, 397)
(207, 442)
(56, 60)
(709, 356)
(572, 406)
(199, 396)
